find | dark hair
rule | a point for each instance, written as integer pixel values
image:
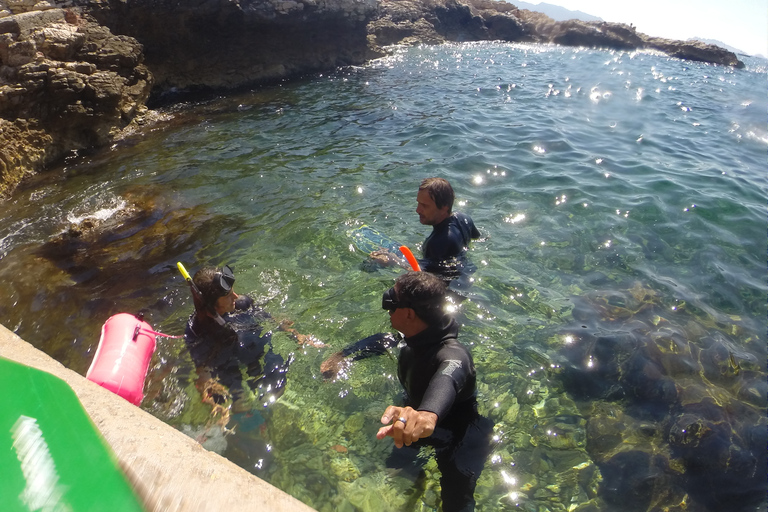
(440, 191)
(425, 293)
(206, 280)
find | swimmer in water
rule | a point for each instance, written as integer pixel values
(444, 250)
(438, 375)
(225, 334)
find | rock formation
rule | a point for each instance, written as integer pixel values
(437, 21)
(73, 73)
(66, 83)
(229, 44)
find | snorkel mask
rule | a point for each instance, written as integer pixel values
(224, 279)
(423, 308)
(390, 302)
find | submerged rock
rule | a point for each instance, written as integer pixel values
(675, 412)
(634, 480)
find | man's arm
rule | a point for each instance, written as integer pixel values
(374, 345)
(444, 386)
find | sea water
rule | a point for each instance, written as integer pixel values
(617, 315)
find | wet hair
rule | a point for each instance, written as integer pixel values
(440, 191)
(425, 294)
(210, 291)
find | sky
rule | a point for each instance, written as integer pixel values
(742, 24)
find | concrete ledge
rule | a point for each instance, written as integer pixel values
(172, 472)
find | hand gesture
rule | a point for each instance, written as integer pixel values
(406, 425)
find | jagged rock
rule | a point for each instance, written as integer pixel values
(415, 21)
(68, 80)
(229, 44)
(23, 147)
(694, 50)
(437, 21)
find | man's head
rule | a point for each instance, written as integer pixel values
(416, 301)
(216, 287)
(435, 201)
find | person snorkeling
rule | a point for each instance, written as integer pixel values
(444, 250)
(438, 376)
(229, 345)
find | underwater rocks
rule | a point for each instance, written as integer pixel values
(676, 410)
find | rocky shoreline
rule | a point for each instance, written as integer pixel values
(74, 74)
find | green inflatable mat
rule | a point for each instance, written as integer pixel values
(51, 455)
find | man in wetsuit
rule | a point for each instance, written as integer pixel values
(438, 374)
(451, 231)
(444, 250)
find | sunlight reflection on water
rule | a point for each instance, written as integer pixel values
(619, 290)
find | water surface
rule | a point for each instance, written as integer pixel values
(617, 318)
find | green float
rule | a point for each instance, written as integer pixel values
(52, 457)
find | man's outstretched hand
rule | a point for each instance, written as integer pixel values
(417, 425)
(331, 367)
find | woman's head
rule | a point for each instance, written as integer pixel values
(216, 290)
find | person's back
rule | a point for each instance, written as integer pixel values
(450, 239)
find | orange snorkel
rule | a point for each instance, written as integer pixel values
(411, 259)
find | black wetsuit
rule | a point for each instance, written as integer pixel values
(445, 250)
(450, 238)
(436, 370)
(438, 375)
(223, 349)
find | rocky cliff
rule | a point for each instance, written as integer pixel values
(436, 21)
(74, 73)
(227, 44)
(66, 83)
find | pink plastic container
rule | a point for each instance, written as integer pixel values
(122, 358)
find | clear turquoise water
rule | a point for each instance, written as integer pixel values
(620, 195)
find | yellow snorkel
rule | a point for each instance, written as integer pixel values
(185, 275)
(183, 271)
